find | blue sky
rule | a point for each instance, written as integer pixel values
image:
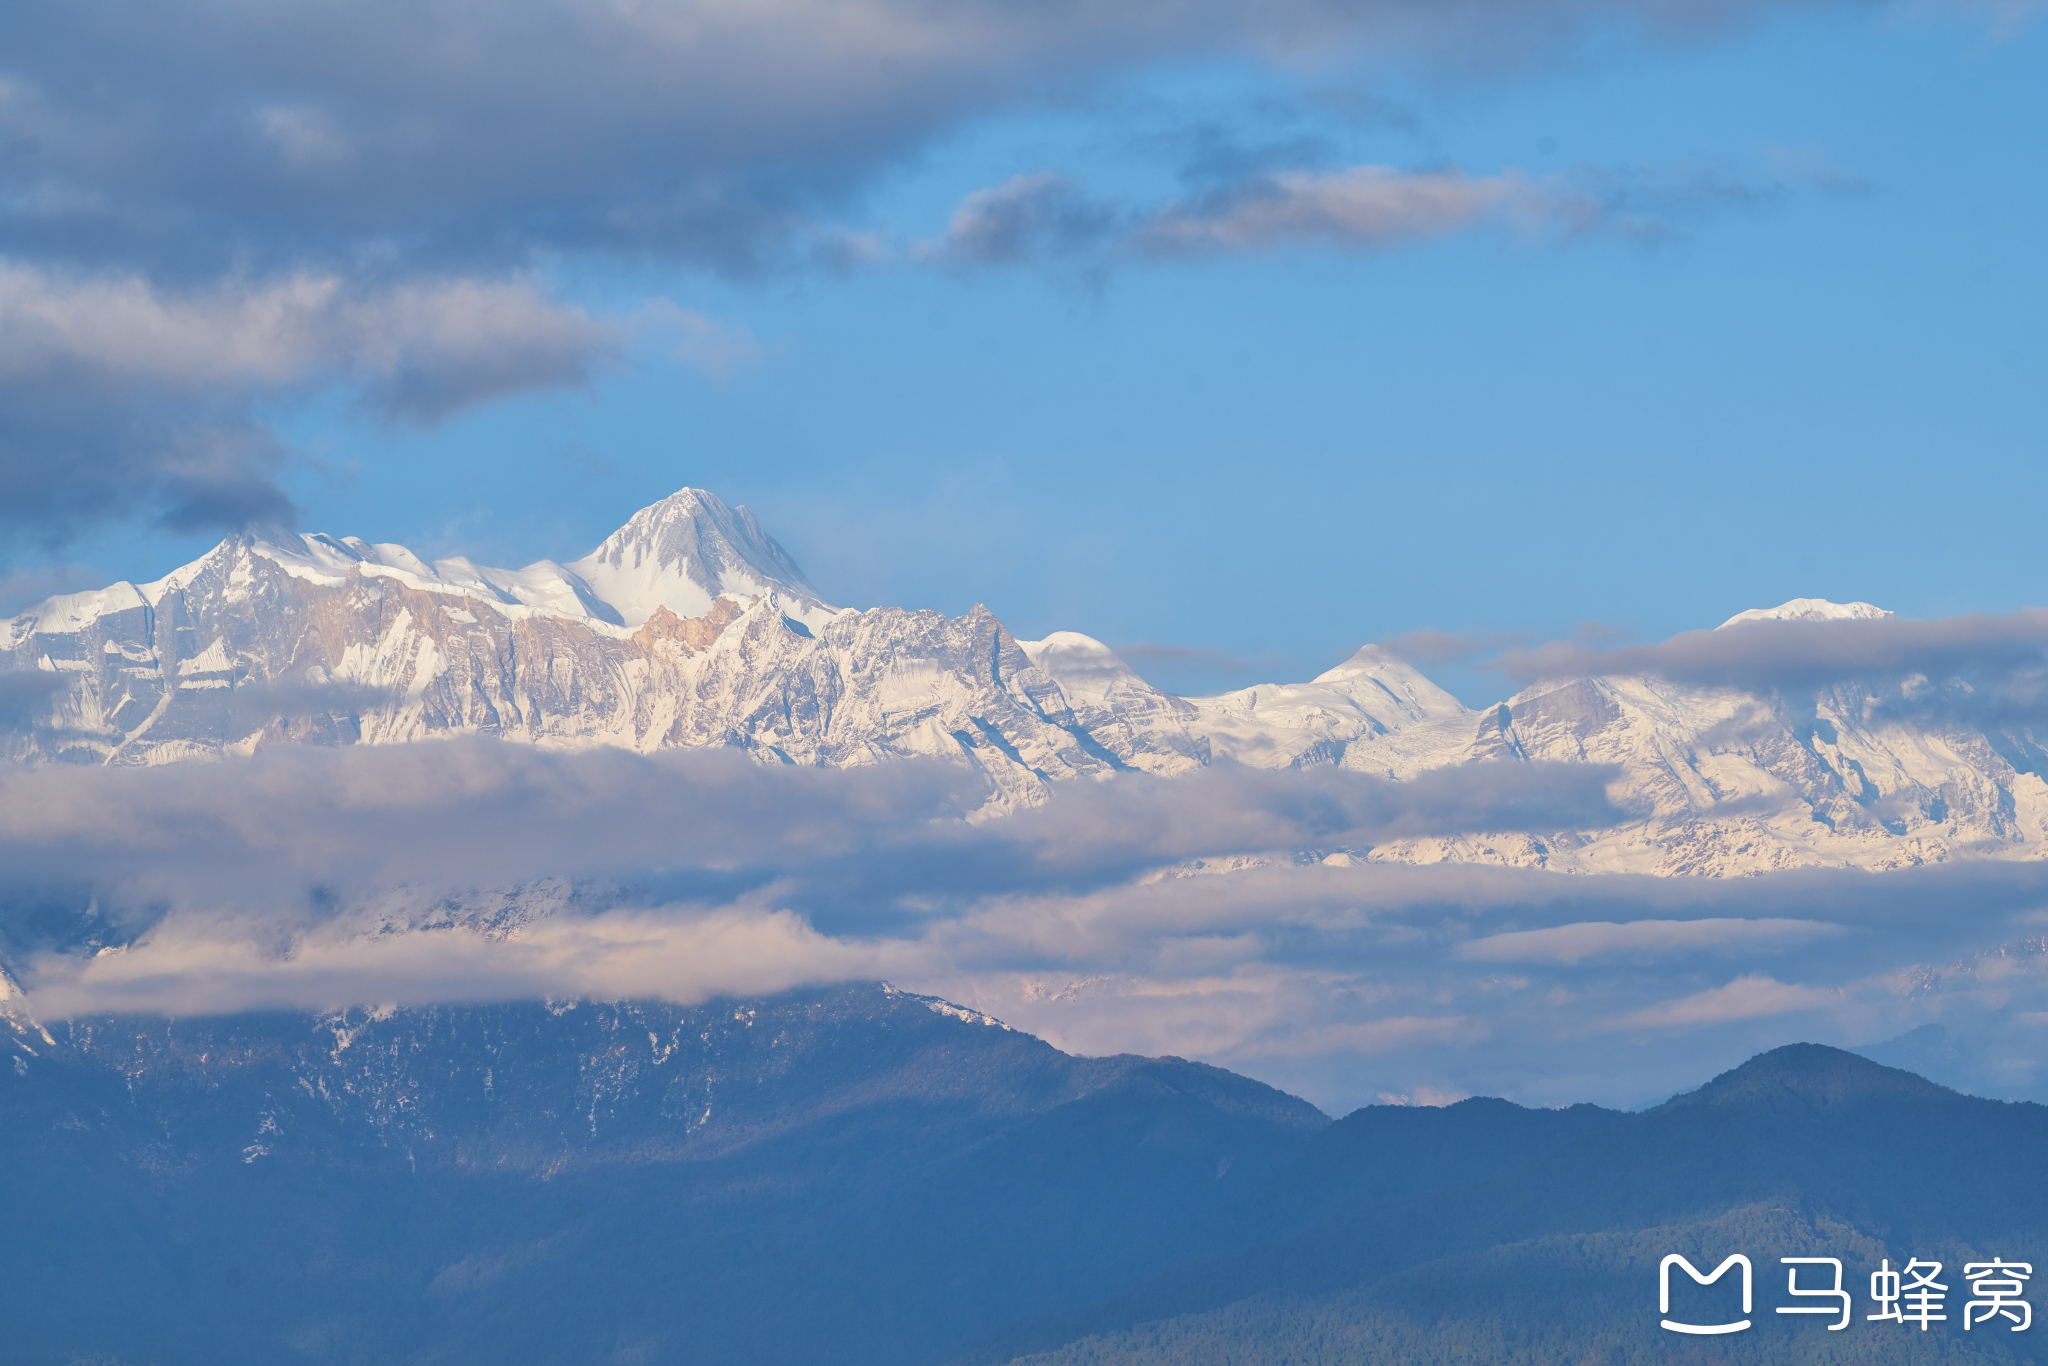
(1797, 350)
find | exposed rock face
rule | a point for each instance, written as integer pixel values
(691, 627)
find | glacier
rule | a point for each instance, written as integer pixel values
(691, 626)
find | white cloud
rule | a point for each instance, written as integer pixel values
(1395, 1033)
(315, 878)
(420, 348)
(1359, 206)
(1605, 938)
(1745, 998)
(196, 965)
(1424, 1097)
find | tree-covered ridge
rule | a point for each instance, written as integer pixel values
(1804, 1151)
(856, 1175)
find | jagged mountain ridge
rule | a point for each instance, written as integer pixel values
(273, 637)
(859, 1175)
(691, 626)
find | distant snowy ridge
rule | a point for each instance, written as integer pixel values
(939, 1005)
(683, 553)
(690, 626)
(1810, 609)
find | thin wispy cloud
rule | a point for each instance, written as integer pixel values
(1645, 938)
(1358, 207)
(1746, 998)
(1048, 218)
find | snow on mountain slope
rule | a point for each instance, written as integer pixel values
(1729, 783)
(690, 626)
(686, 552)
(1721, 782)
(544, 588)
(1132, 722)
(1810, 609)
(275, 637)
(1374, 711)
(1735, 784)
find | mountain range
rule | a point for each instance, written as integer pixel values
(859, 1175)
(691, 626)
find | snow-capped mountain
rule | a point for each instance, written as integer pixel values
(1722, 782)
(686, 552)
(690, 626)
(1810, 609)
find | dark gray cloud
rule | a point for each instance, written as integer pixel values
(1771, 656)
(214, 205)
(68, 461)
(120, 397)
(208, 133)
(1026, 219)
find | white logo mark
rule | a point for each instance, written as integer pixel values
(1664, 1292)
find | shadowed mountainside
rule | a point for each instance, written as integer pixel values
(860, 1175)
(852, 1174)
(1803, 1151)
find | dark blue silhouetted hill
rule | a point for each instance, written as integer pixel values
(854, 1175)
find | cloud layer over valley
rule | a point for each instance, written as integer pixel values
(1235, 915)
